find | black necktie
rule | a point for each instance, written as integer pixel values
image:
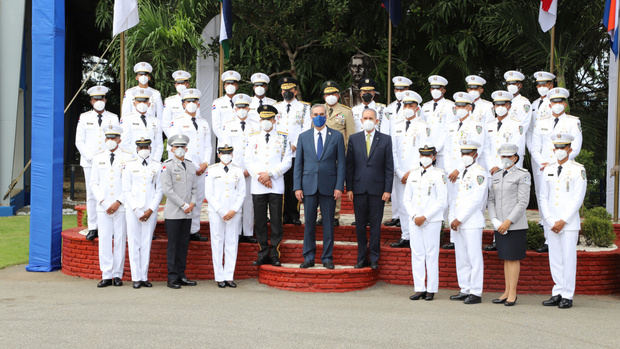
(232, 105)
(539, 103)
(226, 169)
(505, 173)
(559, 169)
(266, 137)
(407, 124)
(99, 116)
(288, 108)
(195, 124)
(423, 172)
(464, 173)
(143, 117)
(111, 158)
(183, 163)
(144, 163)
(460, 124)
(242, 125)
(555, 122)
(435, 106)
(365, 107)
(397, 106)
(331, 110)
(473, 107)
(260, 102)
(499, 124)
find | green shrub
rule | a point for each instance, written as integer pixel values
(599, 212)
(535, 235)
(598, 231)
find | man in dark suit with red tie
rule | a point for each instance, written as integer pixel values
(370, 174)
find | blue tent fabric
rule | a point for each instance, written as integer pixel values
(48, 68)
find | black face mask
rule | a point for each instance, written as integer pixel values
(288, 95)
(367, 97)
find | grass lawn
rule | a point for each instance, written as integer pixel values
(14, 238)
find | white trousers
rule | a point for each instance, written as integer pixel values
(247, 213)
(224, 244)
(91, 202)
(563, 261)
(425, 255)
(538, 178)
(396, 200)
(398, 194)
(452, 192)
(469, 263)
(112, 239)
(139, 238)
(200, 197)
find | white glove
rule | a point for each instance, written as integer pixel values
(185, 206)
(496, 223)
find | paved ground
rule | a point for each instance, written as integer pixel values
(54, 310)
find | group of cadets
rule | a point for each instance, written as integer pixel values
(444, 153)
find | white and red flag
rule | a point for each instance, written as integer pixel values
(547, 14)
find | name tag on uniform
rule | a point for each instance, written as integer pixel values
(233, 130)
(102, 163)
(135, 124)
(89, 123)
(550, 174)
(178, 177)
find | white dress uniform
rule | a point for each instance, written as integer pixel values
(468, 208)
(106, 184)
(223, 109)
(293, 118)
(257, 102)
(561, 195)
(225, 191)
(90, 140)
(507, 130)
(437, 114)
(142, 191)
(273, 157)
(378, 107)
(173, 104)
(156, 108)
(426, 194)
(134, 126)
(483, 111)
(521, 108)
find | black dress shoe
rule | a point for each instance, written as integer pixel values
(359, 265)
(459, 297)
(231, 284)
(187, 282)
(247, 239)
(104, 283)
(173, 284)
(221, 284)
(336, 222)
(374, 265)
(154, 238)
(118, 282)
(276, 262)
(510, 304)
(553, 301)
(397, 223)
(137, 284)
(147, 283)
(491, 247)
(92, 234)
(257, 263)
(296, 221)
(400, 244)
(429, 296)
(499, 300)
(328, 265)
(543, 249)
(417, 295)
(448, 246)
(198, 237)
(307, 264)
(353, 223)
(319, 221)
(390, 223)
(565, 303)
(472, 299)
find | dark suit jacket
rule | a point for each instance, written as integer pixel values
(325, 174)
(371, 174)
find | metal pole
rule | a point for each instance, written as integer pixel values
(616, 169)
(389, 74)
(122, 77)
(221, 90)
(551, 61)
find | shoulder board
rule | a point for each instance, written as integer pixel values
(380, 104)
(519, 169)
(283, 133)
(572, 117)
(577, 164)
(167, 161)
(254, 133)
(307, 103)
(214, 165)
(188, 160)
(126, 152)
(346, 107)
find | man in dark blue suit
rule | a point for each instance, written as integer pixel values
(318, 180)
(370, 172)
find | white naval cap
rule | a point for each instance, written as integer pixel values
(543, 76)
(513, 75)
(401, 82)
(231, 75)
(181, 76)
(190, 93)
(98, 90)
(507, 149)
(411, 97)
(112, 130)
(558, 93)
(462, 97)
(468, 145)
(142, 93)
(142, 67)
(259, 78)
(142, 138)
(475, 80)
(562, 138)
(437, 80)
(241, 99)
(501, 96)
(178, 140)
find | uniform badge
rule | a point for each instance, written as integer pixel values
(526, 107)
(428, 132)
(583, 174)
(479, 129)
(443, 177)
(480, 180)
(579, 126)
(520, 130)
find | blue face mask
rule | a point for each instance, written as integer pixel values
(319, 120)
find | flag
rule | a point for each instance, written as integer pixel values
(125, 15)
(547, 14)
(226, 27)
(394, 10)
(610, 21)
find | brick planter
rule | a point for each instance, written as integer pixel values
(317, 279)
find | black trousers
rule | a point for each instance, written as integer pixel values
(178, 243)
(328, 205)
(291, 205)
(368, 208)
(273, 202)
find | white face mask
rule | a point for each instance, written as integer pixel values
(461, 112)
(368, 125)
(399, 95)
(230, 89)
(557, 108)
(142, 108)
(436, 93)
(425, 161)
(259, 90)
(467, 160)
(506, 162)
(191, 107)
(179, 152)
(266, 125)
(226, 158)
(512, 89)
(501, 111)
(242, 113)
(180, 88)
(408, 113)
(143, 79)
(99, 105)
(144, 153)
(561, 154)
(474, 94)
(111, 144)
(542, 91)
(331, 99)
